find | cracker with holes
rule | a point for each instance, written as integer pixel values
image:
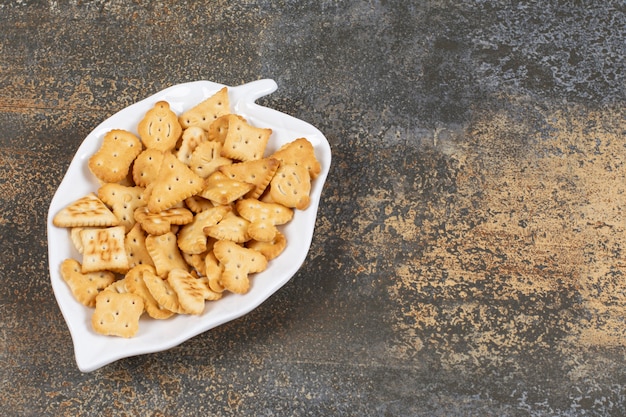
(135, 244)
(111, 163)
(165, 253)
(191, 237)
(87, 211)
(162, 292)
(207, 111)
(136, 285)
(192, 137)
(291, 186)
(85, 286)
(117, 314)
(123, 201)
(231, 227)
(146, 166)
(299, 152)
(174, 183)
(243, 141)
(263, 217)
(207, 158)
(238, 263)
(222, 190)
(104, 250)
(219, 128)
(270, 249)
(162, 222)
(189, 290)
(159, 129)
(258, 172)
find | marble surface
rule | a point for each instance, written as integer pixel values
(469, 251)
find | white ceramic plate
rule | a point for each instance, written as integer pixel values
(93, 351)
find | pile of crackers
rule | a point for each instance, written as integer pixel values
(187, 210)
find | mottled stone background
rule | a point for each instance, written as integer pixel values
(469, 251)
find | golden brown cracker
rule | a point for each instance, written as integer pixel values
(263, 217)
(117, 314)
(206, 159)
(299, 152)
(159, 129)
(146, 166)
(87, 211)
(162, 292)
(161, 222)
(190, 291)
(123, 200)
(136, 285)
(291, 186)
(174, 183)
(238, 263)
(191, 237)
(222, 190)
(135, 244)
(270, 249)
(85, 287)
(165, 253)
(257, 172)
(103, 249)
(243, 141)
(207, 111)
(111, 163)
(192, 137)
(231, 227)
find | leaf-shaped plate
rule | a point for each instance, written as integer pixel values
(92, 350)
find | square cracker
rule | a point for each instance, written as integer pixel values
(103, 249)
(117, 314)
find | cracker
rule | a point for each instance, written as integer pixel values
(190, 291)
(111, 163)
(135, 244)
(191, 237)
(299, 152)
(87, 211)
(162, 292)
(159, 129)
(238, 263)
(192, 137)
(146, 166)
(207, 292)
(117, 314)
(213, 272)
(206, 159)
(243, 141)
(196, 204)
(291, 186)
(123, 201)
(118, 286)
(103, 249)
(222, 190)
(174, 183)
(205, 112)
(270, 249)
(161, 223)
(196, 262)
(231, 227)
(136, 285)
(165, 253)
(263, 217)
(257, 172)
(85, 287)
(219, 128)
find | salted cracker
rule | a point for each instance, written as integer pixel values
(117, 314)
(207, 158)
(263, 217)
(191, 237)
(123, 201)
(205, 112)
(238, 263)
(299, 152)
(111, 162)
(85, 287)
(103, 249)
(159, 129)
(291, 186)
(257, 172)
(87, 211)
(243, 141)
(174, 183)
(136, 285)
(165, 253)
(189, 289)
